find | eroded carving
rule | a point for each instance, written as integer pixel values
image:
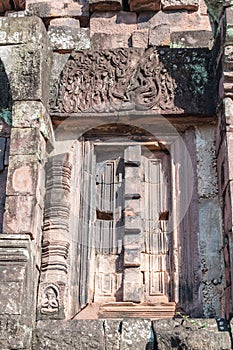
(50, 303)
(111, 80)
(55, 246)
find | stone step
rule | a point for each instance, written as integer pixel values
(151, 311)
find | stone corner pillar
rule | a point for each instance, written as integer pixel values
(17, 309)
(25, 57)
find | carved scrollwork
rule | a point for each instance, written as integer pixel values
(108, 80)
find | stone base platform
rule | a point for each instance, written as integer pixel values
(135, 334)
(132, 310)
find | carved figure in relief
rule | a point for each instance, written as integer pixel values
(50, 302)
(111, 80)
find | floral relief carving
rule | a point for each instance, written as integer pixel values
(111, 80)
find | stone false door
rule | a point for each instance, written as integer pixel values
(132, 261)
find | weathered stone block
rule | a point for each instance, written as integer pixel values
(211, 245)
(206, 167)
(25, 141)
(69, 38)
(180, 5)
(113, 23)
(28, 80)
(105, 41)
(112, 334)
(103, 5)
(194, 334)
(136, 334)
(202, 38)
(66, 22)
(160, 35)
(176, 20)
(32, 114)
(22, 175)
(19, 213)
(148, 5)
(79, 334)
(57, 8)
(140, 38)
(133, 287)
(17, 302)
(22, 31)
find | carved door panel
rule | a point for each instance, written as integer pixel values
(131, 208)
(85, 237)
(156, 203)
(109, 182)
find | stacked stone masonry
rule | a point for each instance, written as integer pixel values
(74, 77)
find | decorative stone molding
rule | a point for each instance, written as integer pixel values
(55, 245)
(17, 276)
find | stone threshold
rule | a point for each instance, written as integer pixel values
(119, 310)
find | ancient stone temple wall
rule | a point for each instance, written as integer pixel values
(115, 174)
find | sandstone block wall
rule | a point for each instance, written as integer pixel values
(33, 53)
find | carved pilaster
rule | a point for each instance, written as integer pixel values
(55, 245)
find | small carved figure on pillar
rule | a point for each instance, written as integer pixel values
(50, 302)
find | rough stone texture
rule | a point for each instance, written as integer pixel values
(28, 81)
(69, 38)
(112, 29)
(176, 28)
(101, 5)
(102, 41)
(140, 38)
(113, 23)
(180, 5)
(33, 114)
(148, 5)
(112, 334)
(209, 207)
(192, 39)
(135, 334)
(50, 8)
(69, 335)
(175, 19)
(16, 291)
(26, 141)
(183, 333)
(191, 334)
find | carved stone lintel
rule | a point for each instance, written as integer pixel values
(165, 81)
(113, 80)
